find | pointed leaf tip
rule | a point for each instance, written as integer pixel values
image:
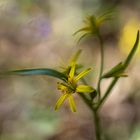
(132, 52)
(113, 72)
(118, 70)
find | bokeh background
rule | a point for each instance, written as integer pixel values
(38, 34)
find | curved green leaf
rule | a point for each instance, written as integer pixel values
(118, 70)
(115, 71)
(40, 71)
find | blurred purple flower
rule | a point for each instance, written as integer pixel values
(43, 27)
(35, 29)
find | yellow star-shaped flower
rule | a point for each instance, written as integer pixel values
(71, 86)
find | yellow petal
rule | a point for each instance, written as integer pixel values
(60, 101)
(72, 103)
(72, 71)
(84, 88)
(62, 87)
(83, 73)
(75, 57)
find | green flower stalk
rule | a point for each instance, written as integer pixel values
(91, 28)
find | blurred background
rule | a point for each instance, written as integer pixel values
(38, 34)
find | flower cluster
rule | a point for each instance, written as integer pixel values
(71, 86)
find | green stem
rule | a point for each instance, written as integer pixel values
(97, 125)
(107, 92)
(96, 117)
(101, 65)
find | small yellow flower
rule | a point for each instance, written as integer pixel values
(71, 86)
(92, 24)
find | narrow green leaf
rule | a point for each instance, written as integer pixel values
(61, 100)
(40, 71)
(118, 70)
(115, 71)
(72, 103)
(132, 52)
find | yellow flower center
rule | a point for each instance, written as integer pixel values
(67, 88)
